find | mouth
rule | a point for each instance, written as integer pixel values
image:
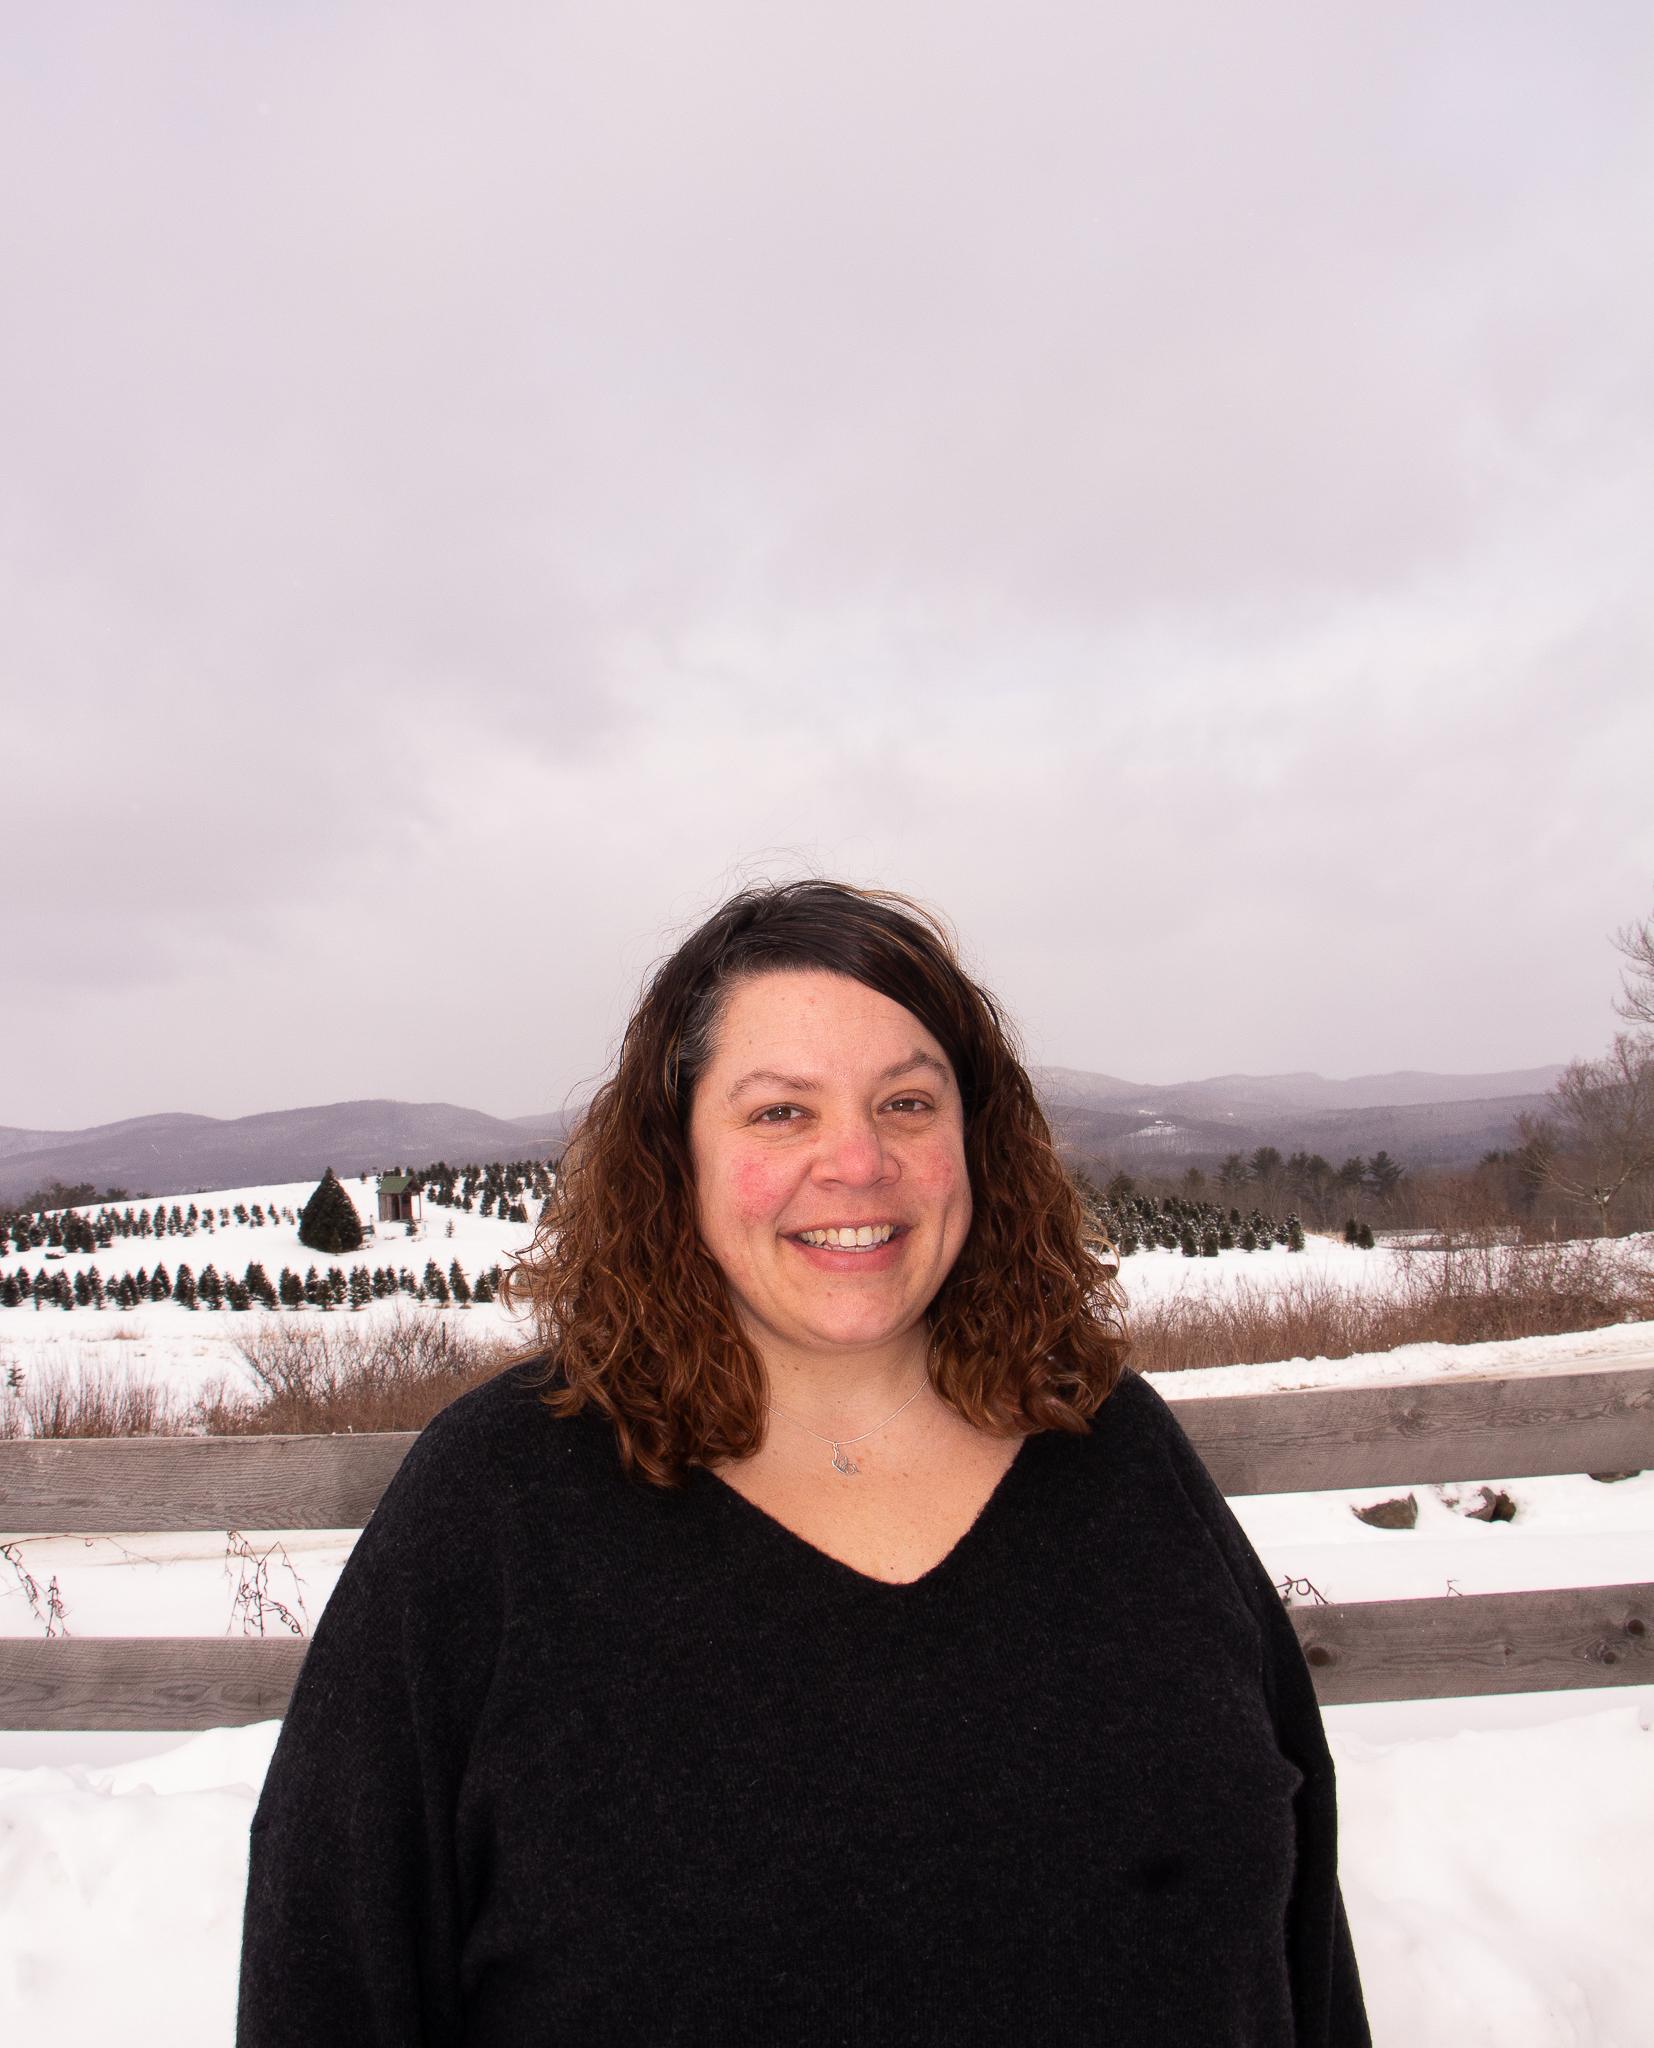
(849, 1237)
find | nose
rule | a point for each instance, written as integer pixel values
(852, 1155)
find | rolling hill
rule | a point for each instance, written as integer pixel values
(1422, 1119)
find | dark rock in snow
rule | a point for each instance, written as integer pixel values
(1487, 1504)
(1402, 1513)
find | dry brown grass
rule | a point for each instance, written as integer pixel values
(324, 1377)
(313, 1378)
(1464, 1294)
(93, 1400)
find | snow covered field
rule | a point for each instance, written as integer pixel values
(1495, 1859)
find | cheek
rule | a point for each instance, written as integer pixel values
(942, 1172)
(756, 1190)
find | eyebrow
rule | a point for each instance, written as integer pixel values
(801, 1084)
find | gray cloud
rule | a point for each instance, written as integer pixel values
(1174, 493)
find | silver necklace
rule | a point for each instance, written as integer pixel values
(842, 1461)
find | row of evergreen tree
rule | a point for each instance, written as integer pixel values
(496, 1187)
(72, 1231)
(1134, 1222)
(334, 1288)
(501, 1187)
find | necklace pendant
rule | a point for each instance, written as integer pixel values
(842, 1460)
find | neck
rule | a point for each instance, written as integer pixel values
(842, 1391)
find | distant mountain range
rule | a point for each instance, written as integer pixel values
(181, 1154)
(1422, 1119)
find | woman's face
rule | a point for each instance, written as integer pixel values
(827, 1138)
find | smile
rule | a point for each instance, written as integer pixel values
(848, 1237)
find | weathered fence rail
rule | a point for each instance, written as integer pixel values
(1408, 1433)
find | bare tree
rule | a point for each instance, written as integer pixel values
(1600, 1140)
(1635, 1001)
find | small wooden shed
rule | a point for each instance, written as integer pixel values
(399, 1199)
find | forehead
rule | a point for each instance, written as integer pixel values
(817, 1018)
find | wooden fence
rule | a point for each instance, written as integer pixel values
(1406, 1434)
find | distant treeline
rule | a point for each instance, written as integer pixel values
(1271, 1184)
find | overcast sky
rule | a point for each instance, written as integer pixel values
(1173, 487)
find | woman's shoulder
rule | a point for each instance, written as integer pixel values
(497, 1442)
(1135, 1417)
(1152, 1459)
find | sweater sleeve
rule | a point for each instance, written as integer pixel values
(1328, 2008)
(353, 1921)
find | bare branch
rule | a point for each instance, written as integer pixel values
(1602, 1137)
(1635, 1001)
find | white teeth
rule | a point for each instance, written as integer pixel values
(849, 1237)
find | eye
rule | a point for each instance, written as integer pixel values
(779, 1113)
(910, 1105)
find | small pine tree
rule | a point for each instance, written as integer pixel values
(435, 1286)
(237, 1293)
(210, 1287)
(1352, 1232)
(1294, 1234)
(458, 1285)
(1364, 1237)
(160, 1285)
(330, 1222)
(1186, 1242)
(1248, 1238)
(184, 1289)
(314, 1292)
(291, 1288)
(1209, 1242)
(361, 1287)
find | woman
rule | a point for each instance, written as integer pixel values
(823, 1642)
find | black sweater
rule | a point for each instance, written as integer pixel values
(576, 1759)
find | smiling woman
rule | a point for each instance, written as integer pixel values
(781, 1654)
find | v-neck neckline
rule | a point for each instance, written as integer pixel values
(785, 1535)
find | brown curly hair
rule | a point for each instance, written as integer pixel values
(633, 1315)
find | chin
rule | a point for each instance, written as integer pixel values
(858, 1336)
